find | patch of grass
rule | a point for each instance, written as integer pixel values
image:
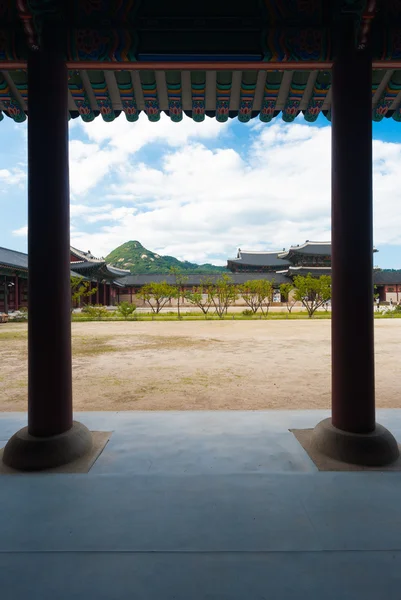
(112, 381)
(92, 346)
(18, 383)
(13, 335)
(171, 342)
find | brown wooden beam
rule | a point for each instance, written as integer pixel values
(201, 66)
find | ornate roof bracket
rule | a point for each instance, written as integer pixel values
(223, 92)
(101, 92)
(33, 15)
(198, 93)
(80, 97)
(270, 95)
(319, 94)
(247, 96)
(127, 94)
(150, 95)
(10, 104)
(295, 95)
(174, 93)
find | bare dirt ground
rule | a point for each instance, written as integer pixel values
(200, 365)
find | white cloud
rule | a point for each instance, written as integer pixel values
(204, 201)
(111, 145)
(21, 232)
(14, 176)
(86, 211)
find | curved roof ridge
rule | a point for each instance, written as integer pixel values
(86, 256)
(260, 251)
(14, 251)
(311, 243)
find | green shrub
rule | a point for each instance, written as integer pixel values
(247, 312)
(96, 312)
(125, 309)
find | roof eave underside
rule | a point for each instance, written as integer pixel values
(223, 95)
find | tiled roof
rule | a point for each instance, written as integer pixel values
(315, 271)
(387, 277)
(260, 259)
(19, 260)
(197, 278)
(312, 248)
(12, 258)
(85, 256)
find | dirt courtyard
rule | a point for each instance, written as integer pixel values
(192, 365)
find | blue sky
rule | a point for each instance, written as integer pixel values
(200, 191)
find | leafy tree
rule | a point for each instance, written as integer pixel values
(312, 292)
(125, 309)
(257, 293)
(201, 296)
(80, 288)
(156, 295)
(222, 294)
(180, 281)
(285, 291)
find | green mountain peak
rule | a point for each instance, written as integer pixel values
(134, 257)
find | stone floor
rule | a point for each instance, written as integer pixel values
(207, 505)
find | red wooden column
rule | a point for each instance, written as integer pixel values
(353, 381)
(51, 438)
(104, 294)
(16, 293)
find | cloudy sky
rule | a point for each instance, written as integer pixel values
(198, 191)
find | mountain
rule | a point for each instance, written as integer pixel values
(139, 261)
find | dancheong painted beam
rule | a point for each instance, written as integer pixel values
(203, 60)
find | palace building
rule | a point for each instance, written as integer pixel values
(310, 255)
(114, 285)
(14, 278)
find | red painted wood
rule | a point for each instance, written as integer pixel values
(353, 382)
(16, 292)
(49, 331)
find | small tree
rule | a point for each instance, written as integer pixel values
(180, 281)
(285, 290)
(257, 293)
(223, 294)
(80, 288)
(156, 295)
(266, 296)
(201, 296)
(125, 310)
(312, 292)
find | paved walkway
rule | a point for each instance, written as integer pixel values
(191, 506)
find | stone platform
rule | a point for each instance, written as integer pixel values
(201, 505)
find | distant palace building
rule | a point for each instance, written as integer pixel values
(115, 285)
(14, 278)
(310, 255)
